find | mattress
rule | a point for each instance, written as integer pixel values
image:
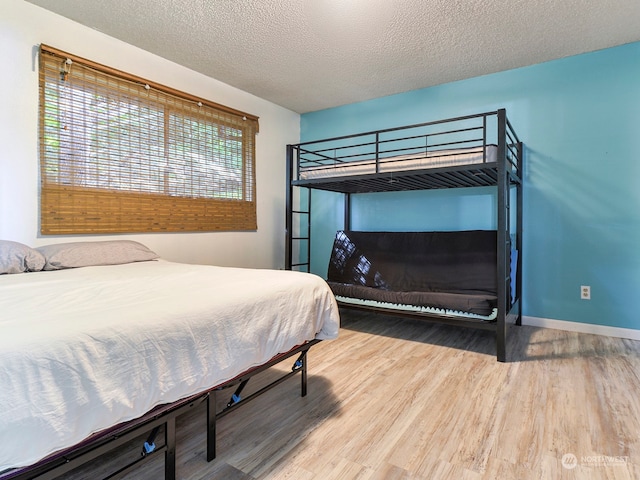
(434, 311)
(414, 161)
(84, 349)
(471, 305)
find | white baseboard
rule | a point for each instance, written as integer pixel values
(582, 327)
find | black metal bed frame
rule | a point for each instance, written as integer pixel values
(378, 147)
(162, 417)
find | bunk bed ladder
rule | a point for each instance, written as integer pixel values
(298, 215)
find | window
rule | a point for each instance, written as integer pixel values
(121, 154)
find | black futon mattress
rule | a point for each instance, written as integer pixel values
(445, 270)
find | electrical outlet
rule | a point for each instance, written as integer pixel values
(585, 292)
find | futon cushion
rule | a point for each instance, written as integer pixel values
(478, 304)
(417, 268)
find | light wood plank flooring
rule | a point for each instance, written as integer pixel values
(399, 399)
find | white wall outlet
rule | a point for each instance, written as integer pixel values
(585, 292)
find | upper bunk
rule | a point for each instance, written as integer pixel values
(469, 151)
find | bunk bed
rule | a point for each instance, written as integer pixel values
(480, 150)
(104, 342)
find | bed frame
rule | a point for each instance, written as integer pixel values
(373, 156)
(163, 417)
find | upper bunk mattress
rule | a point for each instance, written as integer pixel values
(84, 349)
(414, 161)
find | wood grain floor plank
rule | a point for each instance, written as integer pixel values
(400, 399)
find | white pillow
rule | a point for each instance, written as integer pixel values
(86, 254)
(16, 257)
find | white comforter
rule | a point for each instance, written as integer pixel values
(84, 349)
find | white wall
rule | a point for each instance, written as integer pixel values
(23, 27)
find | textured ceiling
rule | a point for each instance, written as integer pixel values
(308, 55)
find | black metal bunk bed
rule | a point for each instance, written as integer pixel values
(479, 150)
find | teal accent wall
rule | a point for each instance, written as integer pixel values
(579, 119)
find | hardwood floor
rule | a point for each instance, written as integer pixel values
(399, 399)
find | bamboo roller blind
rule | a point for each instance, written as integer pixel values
(121, 154)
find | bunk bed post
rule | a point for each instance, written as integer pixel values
(503, 237)
(377, 152)
(519, 230)
(309, 197)
(288, 244)
(347, 211)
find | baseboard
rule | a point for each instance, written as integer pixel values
(582, 327)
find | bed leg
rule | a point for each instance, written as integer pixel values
(301, 364)
(211, 426)
(303, 374)
(501, 343)
(170, 453)
(304, 379)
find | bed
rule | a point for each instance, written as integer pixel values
(478, 150)
(85, 349)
